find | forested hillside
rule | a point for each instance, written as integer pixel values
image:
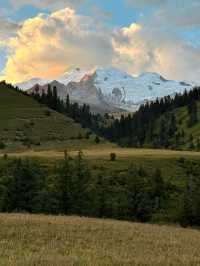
(166, 123)
(169, 122)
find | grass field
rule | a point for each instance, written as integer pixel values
(98, 159)
(103, 151)
(29, 240)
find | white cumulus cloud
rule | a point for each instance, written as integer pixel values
(47, 45)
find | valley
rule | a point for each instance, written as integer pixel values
(59, 158)
(99, 133)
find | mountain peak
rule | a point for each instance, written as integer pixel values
(113, 87)
(30, 83)
(74, 75)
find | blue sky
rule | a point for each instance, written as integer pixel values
(136, 35)
(122, 13)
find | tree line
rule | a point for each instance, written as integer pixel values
(80, 113)
(155, 123)
(72, 188)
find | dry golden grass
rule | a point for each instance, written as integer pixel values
(55, 241)
(103, 151)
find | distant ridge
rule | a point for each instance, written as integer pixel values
(110, 89)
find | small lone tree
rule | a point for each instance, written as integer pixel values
(2, 145)
(97, 139)
(113, 157)
(5, 156)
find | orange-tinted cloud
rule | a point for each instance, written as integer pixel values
(48, 45)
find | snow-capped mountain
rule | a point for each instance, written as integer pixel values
(75, 75)
(26, 85)
(129, 92)
(121, 90)
(111, 89)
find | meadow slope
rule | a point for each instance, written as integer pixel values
(26, 124)
(28, 240)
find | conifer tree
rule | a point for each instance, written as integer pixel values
(65, 185)
(81, 183)
(55, 99)
(24, 183)
(192, 112)
(67, 104)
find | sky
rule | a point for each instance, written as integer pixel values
(45, 38)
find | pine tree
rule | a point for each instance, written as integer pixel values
(172, 126)
(191, 142)
(190, 213)
(160, 189)
(192, 112)
(49, 96)
(81, 183)
(55, 104)
(198, 144)
(97, 140)
(67, 104)
(163, 134)
(65, 179)
(24, 183)
(100, 194)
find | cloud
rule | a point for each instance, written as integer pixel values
(177, 13)
(48, 4)
(146, 47)
(180, 14)
(162, 41)
(48, 45)
(7, 27)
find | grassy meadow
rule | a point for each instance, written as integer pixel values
(28, 240)
(26, 124)
(98, 157)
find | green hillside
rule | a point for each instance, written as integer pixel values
(182, 119)
(24, 123)
(169, 123)
(185, 136)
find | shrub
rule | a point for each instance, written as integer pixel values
(79, 136)
(5, 156)
(97, 139)
(2, 145)
(113, 157)
(87, 135)
(47, 113)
